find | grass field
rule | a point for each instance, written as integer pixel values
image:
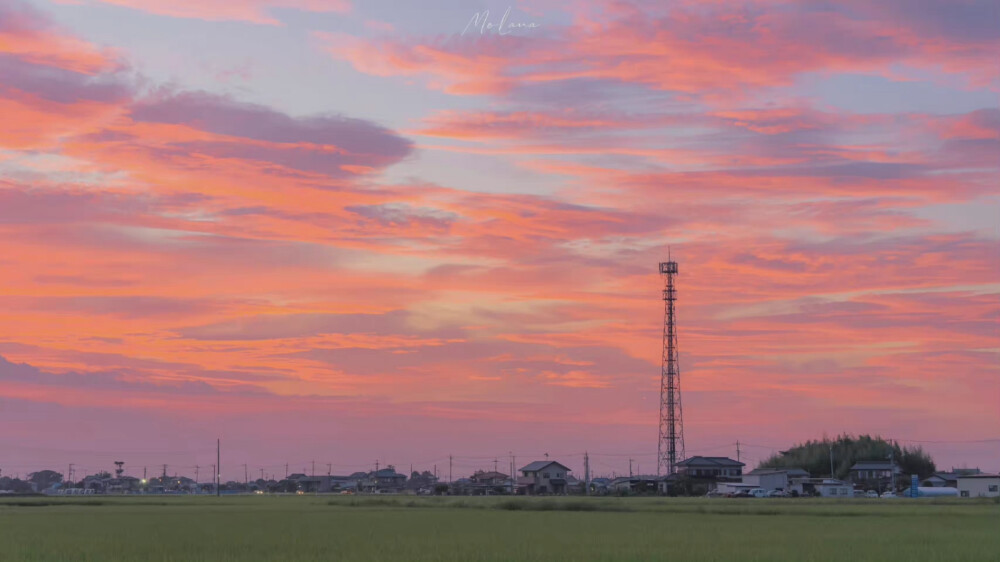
(404, 528)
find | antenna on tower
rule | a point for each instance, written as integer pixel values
(670, 445)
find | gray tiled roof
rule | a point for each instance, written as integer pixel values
(710, 461)
(539, 465)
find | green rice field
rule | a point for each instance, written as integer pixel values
(442, 528)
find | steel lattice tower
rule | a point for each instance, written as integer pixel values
(671, 442)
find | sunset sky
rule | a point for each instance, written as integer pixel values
(346, 231)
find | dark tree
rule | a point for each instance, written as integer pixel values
(44, 479)
(814, 456)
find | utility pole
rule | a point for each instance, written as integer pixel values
(494, 464)
(630, 468)
(246, 475)
(262, 474)
(892, 467)
(70, 472)
(737, 450)
(143, 473)
(586, 473)
(832, 475)
(449, 470)
(313, 469)
(218, 467)
(329, 469)
(196, 467)
(286, 471)
(164, 473)
(513, 474)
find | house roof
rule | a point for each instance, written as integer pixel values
(714, 462)
(539, 465)
(873, 465)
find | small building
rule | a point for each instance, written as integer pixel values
(710, 467)
(543, 477)
(773, 478)
(979, 486)
(823, 487)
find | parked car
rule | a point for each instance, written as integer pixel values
(871, 494)
(740, 494)
(859, 493)
(777, 494)
(714, 494)
(758, 493)
(888, 494)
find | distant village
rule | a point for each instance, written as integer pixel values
(695, 476)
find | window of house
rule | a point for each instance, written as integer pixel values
(545, 475)
(994, 487)
(965, 493)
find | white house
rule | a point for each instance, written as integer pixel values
(773, 478)
(543, 477)
(979, 486)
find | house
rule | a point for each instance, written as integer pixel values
(491, 478)
(979, 486)
(947, 479)
(490, 483)
(543, 477)
(600, 486)
(710, 467)
(383, 481)
(874, 475)
(823, 487)
(773, 478)
(461, 487)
